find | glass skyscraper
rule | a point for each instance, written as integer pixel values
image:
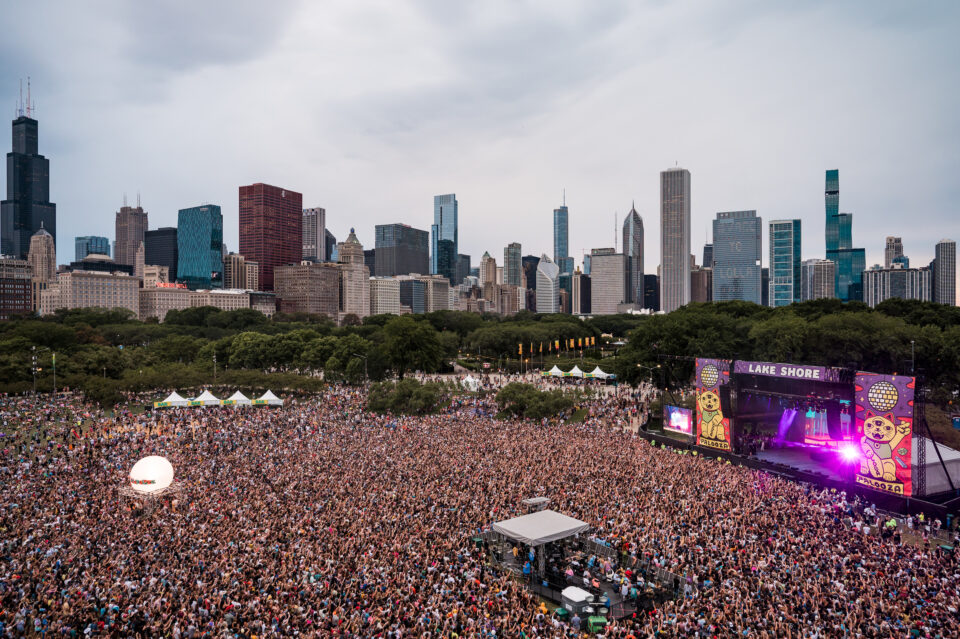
(27, 208)
(200, 247)
(512, 268)
(87, 244)
(785, 262)
(400, 250)
(160, 248)
(444, 245)
(561, 239)
(633, 249)
(736, 257)
(850, 261)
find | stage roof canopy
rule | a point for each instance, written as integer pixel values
(540, 528)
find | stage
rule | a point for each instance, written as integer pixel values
(802, 459)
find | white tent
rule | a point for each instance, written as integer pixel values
(575, 371)
(270, 399)
(936, 479)
(173, 400)
(205, 398)
(599, 374)
(540, 528)
(471, 383)
(238, 399)
(555, 371)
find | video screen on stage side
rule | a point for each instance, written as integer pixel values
(677, 419)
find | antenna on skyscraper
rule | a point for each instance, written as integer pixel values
(124, 200)
(564, 197)
(138, 198)
(615, 245)
(20, 100)
(29, 103)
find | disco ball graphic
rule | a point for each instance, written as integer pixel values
(883, 396)
(709, 376)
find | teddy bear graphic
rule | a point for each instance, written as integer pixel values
(711, 417)
(880, 437)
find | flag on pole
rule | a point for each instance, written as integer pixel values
(556, 344)
(541, 347)
(520, 349)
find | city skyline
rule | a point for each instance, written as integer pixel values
(508, 173)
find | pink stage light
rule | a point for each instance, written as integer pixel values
(849, 453)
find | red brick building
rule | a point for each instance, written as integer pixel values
(270, 228)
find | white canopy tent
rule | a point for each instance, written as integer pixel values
(937, 481)
(270, 399)
(540, 527)
(471, 383)
(599, 374)
(575, 371)
(206, 398)
(172, 400)
(239, 399)
(555, 371)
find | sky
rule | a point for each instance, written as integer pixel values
(369, 109)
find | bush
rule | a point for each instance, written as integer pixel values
(524, 400)
(406, 397)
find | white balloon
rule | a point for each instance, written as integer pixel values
(151, 474)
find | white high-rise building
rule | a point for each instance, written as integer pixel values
(548, 292)
(314, 234)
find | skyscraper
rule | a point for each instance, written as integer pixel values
(580, 294)
(708, 256)
(548, 290)
(200, 247)
(880, 284)
(160, 249)
(736, 257)
(354, 278)
(463, 268)
(87, 244)
(512, 265)
(784, 262)
(850, 262)
(445, 246)
(609, 280)
(561, 239)
(42, 257)
(945, 273)
(130, 226)
(674, 239)
(330, 246)
(633, 249)
(651, 292)
(892, 250)
(488, 270)
(28, 206)
(314, 231)
(400, 249)
(271, 220)
(818, 279)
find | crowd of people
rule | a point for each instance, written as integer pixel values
(321, 519)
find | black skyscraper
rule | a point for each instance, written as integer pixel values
(28, 205)
(160, 249)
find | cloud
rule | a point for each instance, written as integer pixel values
(371, 108)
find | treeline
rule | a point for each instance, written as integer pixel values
(109, 352)
(892, 338)
(192, 344)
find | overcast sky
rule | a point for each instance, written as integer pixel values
(371, 108)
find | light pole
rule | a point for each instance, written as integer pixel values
(364, 358)
(214, 368)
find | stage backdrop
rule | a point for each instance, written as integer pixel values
(790, 371)
(884, 425)
(713, 427)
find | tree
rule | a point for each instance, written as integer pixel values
(411, 345)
